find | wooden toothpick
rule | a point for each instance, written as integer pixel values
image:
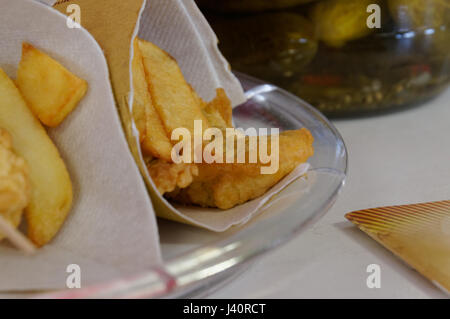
(16, 237)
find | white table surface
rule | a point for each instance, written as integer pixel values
(397, 158)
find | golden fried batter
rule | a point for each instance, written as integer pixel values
(227, 185)
(172, 96)
(168, 176)
(153, 137)
(14, 184)
(219, 111)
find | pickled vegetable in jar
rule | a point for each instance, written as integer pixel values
(328, 53)
(269, 46)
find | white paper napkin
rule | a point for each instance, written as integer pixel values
(179, 27)
(111, 229)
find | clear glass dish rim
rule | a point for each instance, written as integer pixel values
(210, 264)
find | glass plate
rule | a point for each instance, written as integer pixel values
(198, 261)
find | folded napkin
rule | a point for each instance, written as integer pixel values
(419, 234)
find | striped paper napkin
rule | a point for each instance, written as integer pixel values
(419, 234)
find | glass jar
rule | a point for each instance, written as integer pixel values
(345, 57)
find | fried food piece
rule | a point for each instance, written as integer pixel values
(141, 96)
(51, 188)
(219, 111)
(172, 96)
(340, 21)
(153, 137)
(227, 185)
(49, 89)
(14, 183)
(199, 100)
(211, 185)
(168, 176)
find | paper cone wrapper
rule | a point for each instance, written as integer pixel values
(179, 28)
(419, 234)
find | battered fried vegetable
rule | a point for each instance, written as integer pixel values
(269, 45)
(49, 89)
(14, 182)
(168, 176)
(227, 185)
(248, 5)
(340, 21)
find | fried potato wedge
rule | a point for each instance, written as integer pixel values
(227, 185)
(49, 89)
(141, 96)
(153, 136)
(172, 96)
(222, 104)
(51, 188)
(219, 111)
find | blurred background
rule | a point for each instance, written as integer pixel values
(345, 57)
